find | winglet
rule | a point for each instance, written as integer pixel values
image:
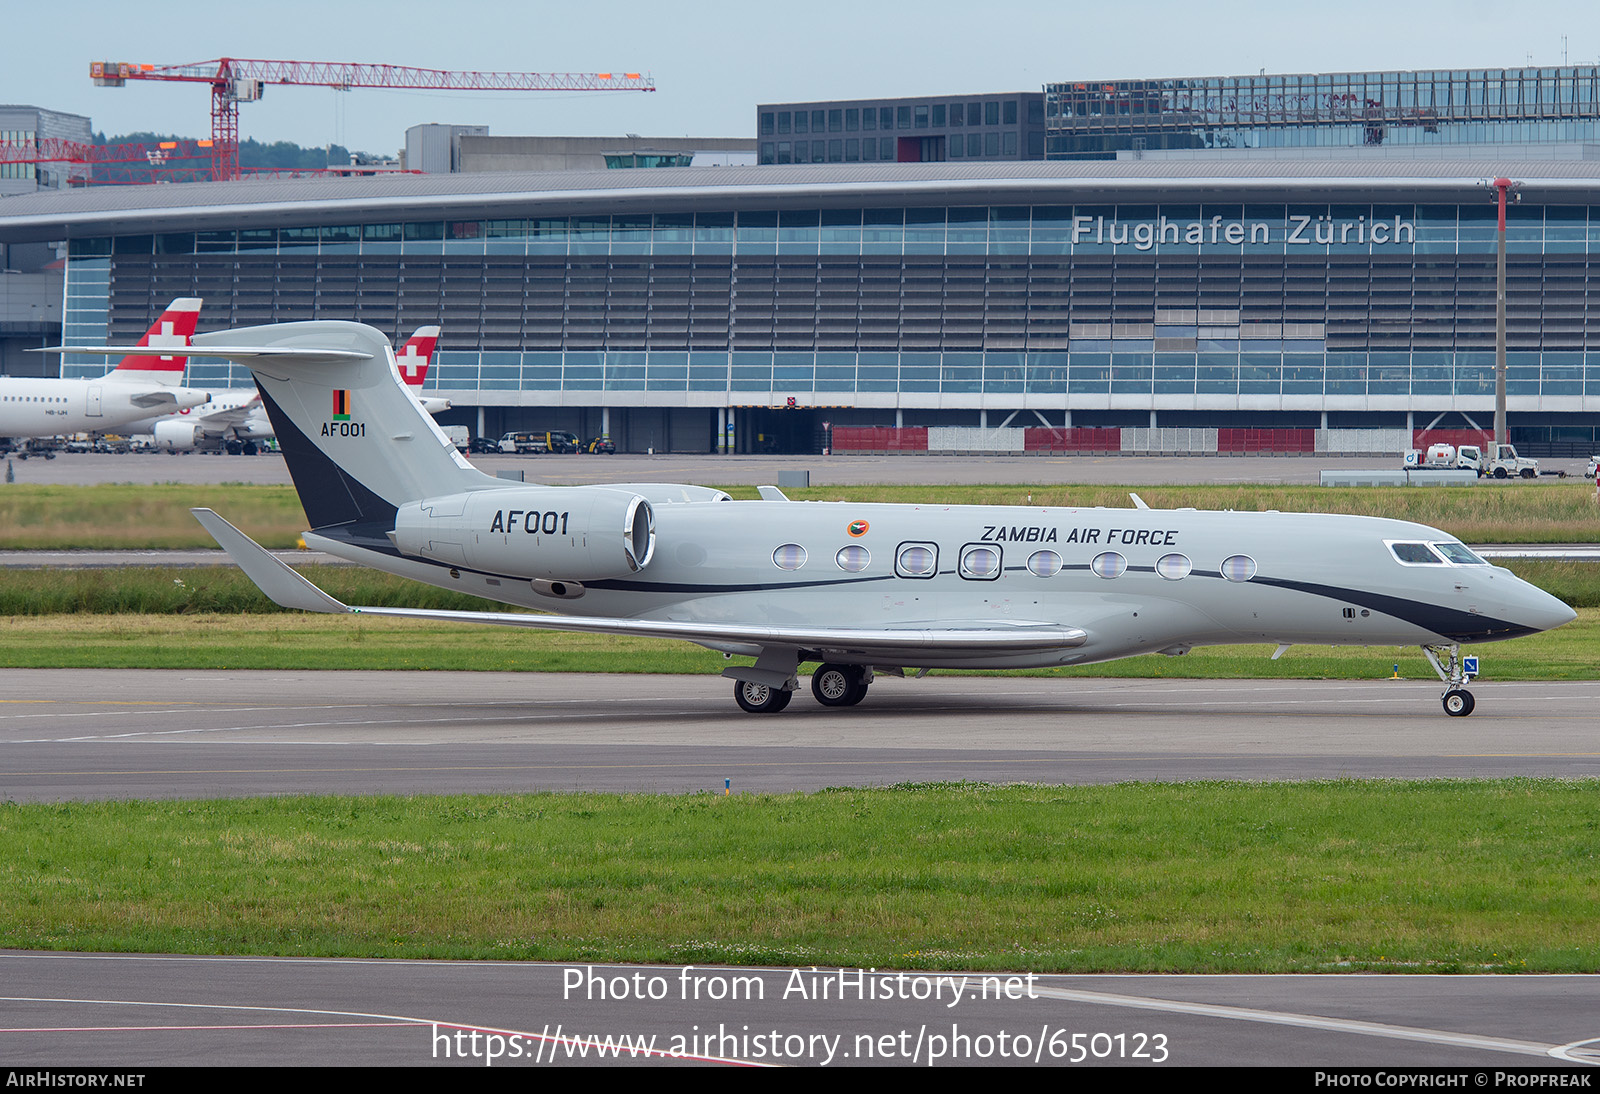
(281, 584)
(771, 493)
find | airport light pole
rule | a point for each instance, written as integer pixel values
(1502, 187)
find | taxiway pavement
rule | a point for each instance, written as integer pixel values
(81, 734)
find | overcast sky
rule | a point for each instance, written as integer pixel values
(714, 61)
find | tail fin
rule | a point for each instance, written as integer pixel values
(357, 444)
(413, 360)
(415, 356)
(173, 329)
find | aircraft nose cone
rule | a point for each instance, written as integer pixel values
(1545, 612)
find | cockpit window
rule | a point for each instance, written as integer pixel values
(1416, 554)
(1460, 554)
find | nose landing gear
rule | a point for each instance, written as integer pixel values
(1446, 661)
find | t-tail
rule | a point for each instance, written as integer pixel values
(173, 330)
(357, 445)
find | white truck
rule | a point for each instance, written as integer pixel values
(1502, 462)
(459, 435)
(1443, 457)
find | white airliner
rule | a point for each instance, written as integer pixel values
(142, 384)
(234, 421)
(864, 589)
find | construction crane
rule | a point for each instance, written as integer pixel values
(234, 81)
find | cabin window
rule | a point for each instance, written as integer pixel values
(1238, 567)
(1109, 565)
(980, 563)
(1415, 554)
(853, 559)
(791, 556)
(917, 560)
(1044, 564)
(1174, 567)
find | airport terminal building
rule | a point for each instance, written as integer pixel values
(1094, 303)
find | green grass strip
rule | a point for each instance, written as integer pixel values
(1441, 876)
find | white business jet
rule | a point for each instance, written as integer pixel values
(864, 589)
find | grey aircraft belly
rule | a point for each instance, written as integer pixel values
(861, 588)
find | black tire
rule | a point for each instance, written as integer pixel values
(832, 685)
(1458, 703)
(1528, 473)
(759, 698)
(1499, 472)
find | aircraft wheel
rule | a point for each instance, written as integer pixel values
(838, 685)
(1458, 703)
(233, 448)
(759, 698)
(249, 448)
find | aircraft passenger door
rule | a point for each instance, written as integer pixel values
(93, 407)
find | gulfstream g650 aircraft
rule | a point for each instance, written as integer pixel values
(864, 589)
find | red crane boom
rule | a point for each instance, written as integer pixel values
(234, 80)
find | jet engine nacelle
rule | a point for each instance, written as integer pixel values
(576, 533)
(176, 434)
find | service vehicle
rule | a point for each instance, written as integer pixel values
(1502, 462)
(524, 444)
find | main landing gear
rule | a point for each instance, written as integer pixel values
(832, 685)
(756, 698)
(840, 685)
(1446, 661)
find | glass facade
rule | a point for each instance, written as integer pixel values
(1097, 119)
(986, 127)
(1120, 303)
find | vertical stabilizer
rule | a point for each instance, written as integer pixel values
(356, 443)
(173, 329)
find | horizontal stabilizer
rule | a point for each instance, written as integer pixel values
(232, 353)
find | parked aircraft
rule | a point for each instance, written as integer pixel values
(141, 384)
(864, 589)
(235, 422)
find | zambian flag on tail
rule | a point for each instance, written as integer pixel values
(341, 406)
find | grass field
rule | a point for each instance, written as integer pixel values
(125, 516)
(1488, 876)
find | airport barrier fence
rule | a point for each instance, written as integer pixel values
(1044, 440)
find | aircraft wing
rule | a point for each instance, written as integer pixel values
(289, 589)
(156, 397)
(222, 419)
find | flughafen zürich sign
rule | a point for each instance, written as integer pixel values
(1143, 235)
